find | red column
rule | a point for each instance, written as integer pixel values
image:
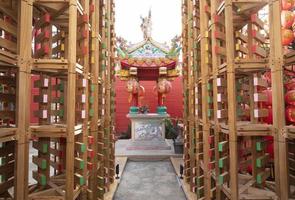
(135, 100)
(160, 99)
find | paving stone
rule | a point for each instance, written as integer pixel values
(149, 180)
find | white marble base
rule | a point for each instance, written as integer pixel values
(144, 149)
(148, 127)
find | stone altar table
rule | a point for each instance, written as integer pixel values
(148, 132)
(148, 127)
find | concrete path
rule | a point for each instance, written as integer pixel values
(152, 180)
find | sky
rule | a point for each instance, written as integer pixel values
(166, 19)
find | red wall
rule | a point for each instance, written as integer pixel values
(173, 101)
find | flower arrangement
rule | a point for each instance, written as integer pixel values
(144, 109)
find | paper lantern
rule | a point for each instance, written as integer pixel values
(287, 36)
(287, 19)
(132, 86)
(287, 4)
(290, 114)
(164, 86)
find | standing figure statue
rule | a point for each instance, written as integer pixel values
(146, 25)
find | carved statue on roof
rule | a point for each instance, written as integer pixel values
(148, 48)
(146, 25)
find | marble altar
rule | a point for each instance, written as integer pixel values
(148, 127)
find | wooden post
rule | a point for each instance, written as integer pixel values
(204, 20)
(24, 50)
(85, 62)
(112, 92)
(231, 98)
(278, 105)
(102, 68)
(71, 87)
(190, 89)
(215, 64)
(187, 168)
(93, 182)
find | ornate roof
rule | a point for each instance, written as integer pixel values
(150, 58)
(150, 63)
(148, 49)
(148, 53)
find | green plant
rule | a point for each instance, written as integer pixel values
(144, 109)
(126, 134)
(170, 130)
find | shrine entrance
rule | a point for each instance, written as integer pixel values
(153, 61)
(148, 69)
(58, 99)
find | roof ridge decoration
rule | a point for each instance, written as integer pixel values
(148, 48)
(158, 45)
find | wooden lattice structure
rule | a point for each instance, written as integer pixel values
(64, 51)
(228, 49)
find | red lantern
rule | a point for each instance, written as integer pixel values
(287, 19)
(290, 85)
(290, 114)
(287, 4)
(290, 97)
(287, 36)
(164, 86)
(132, 86)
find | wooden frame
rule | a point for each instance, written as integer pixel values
(64, 65)
(228, 76)
(224, 59)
